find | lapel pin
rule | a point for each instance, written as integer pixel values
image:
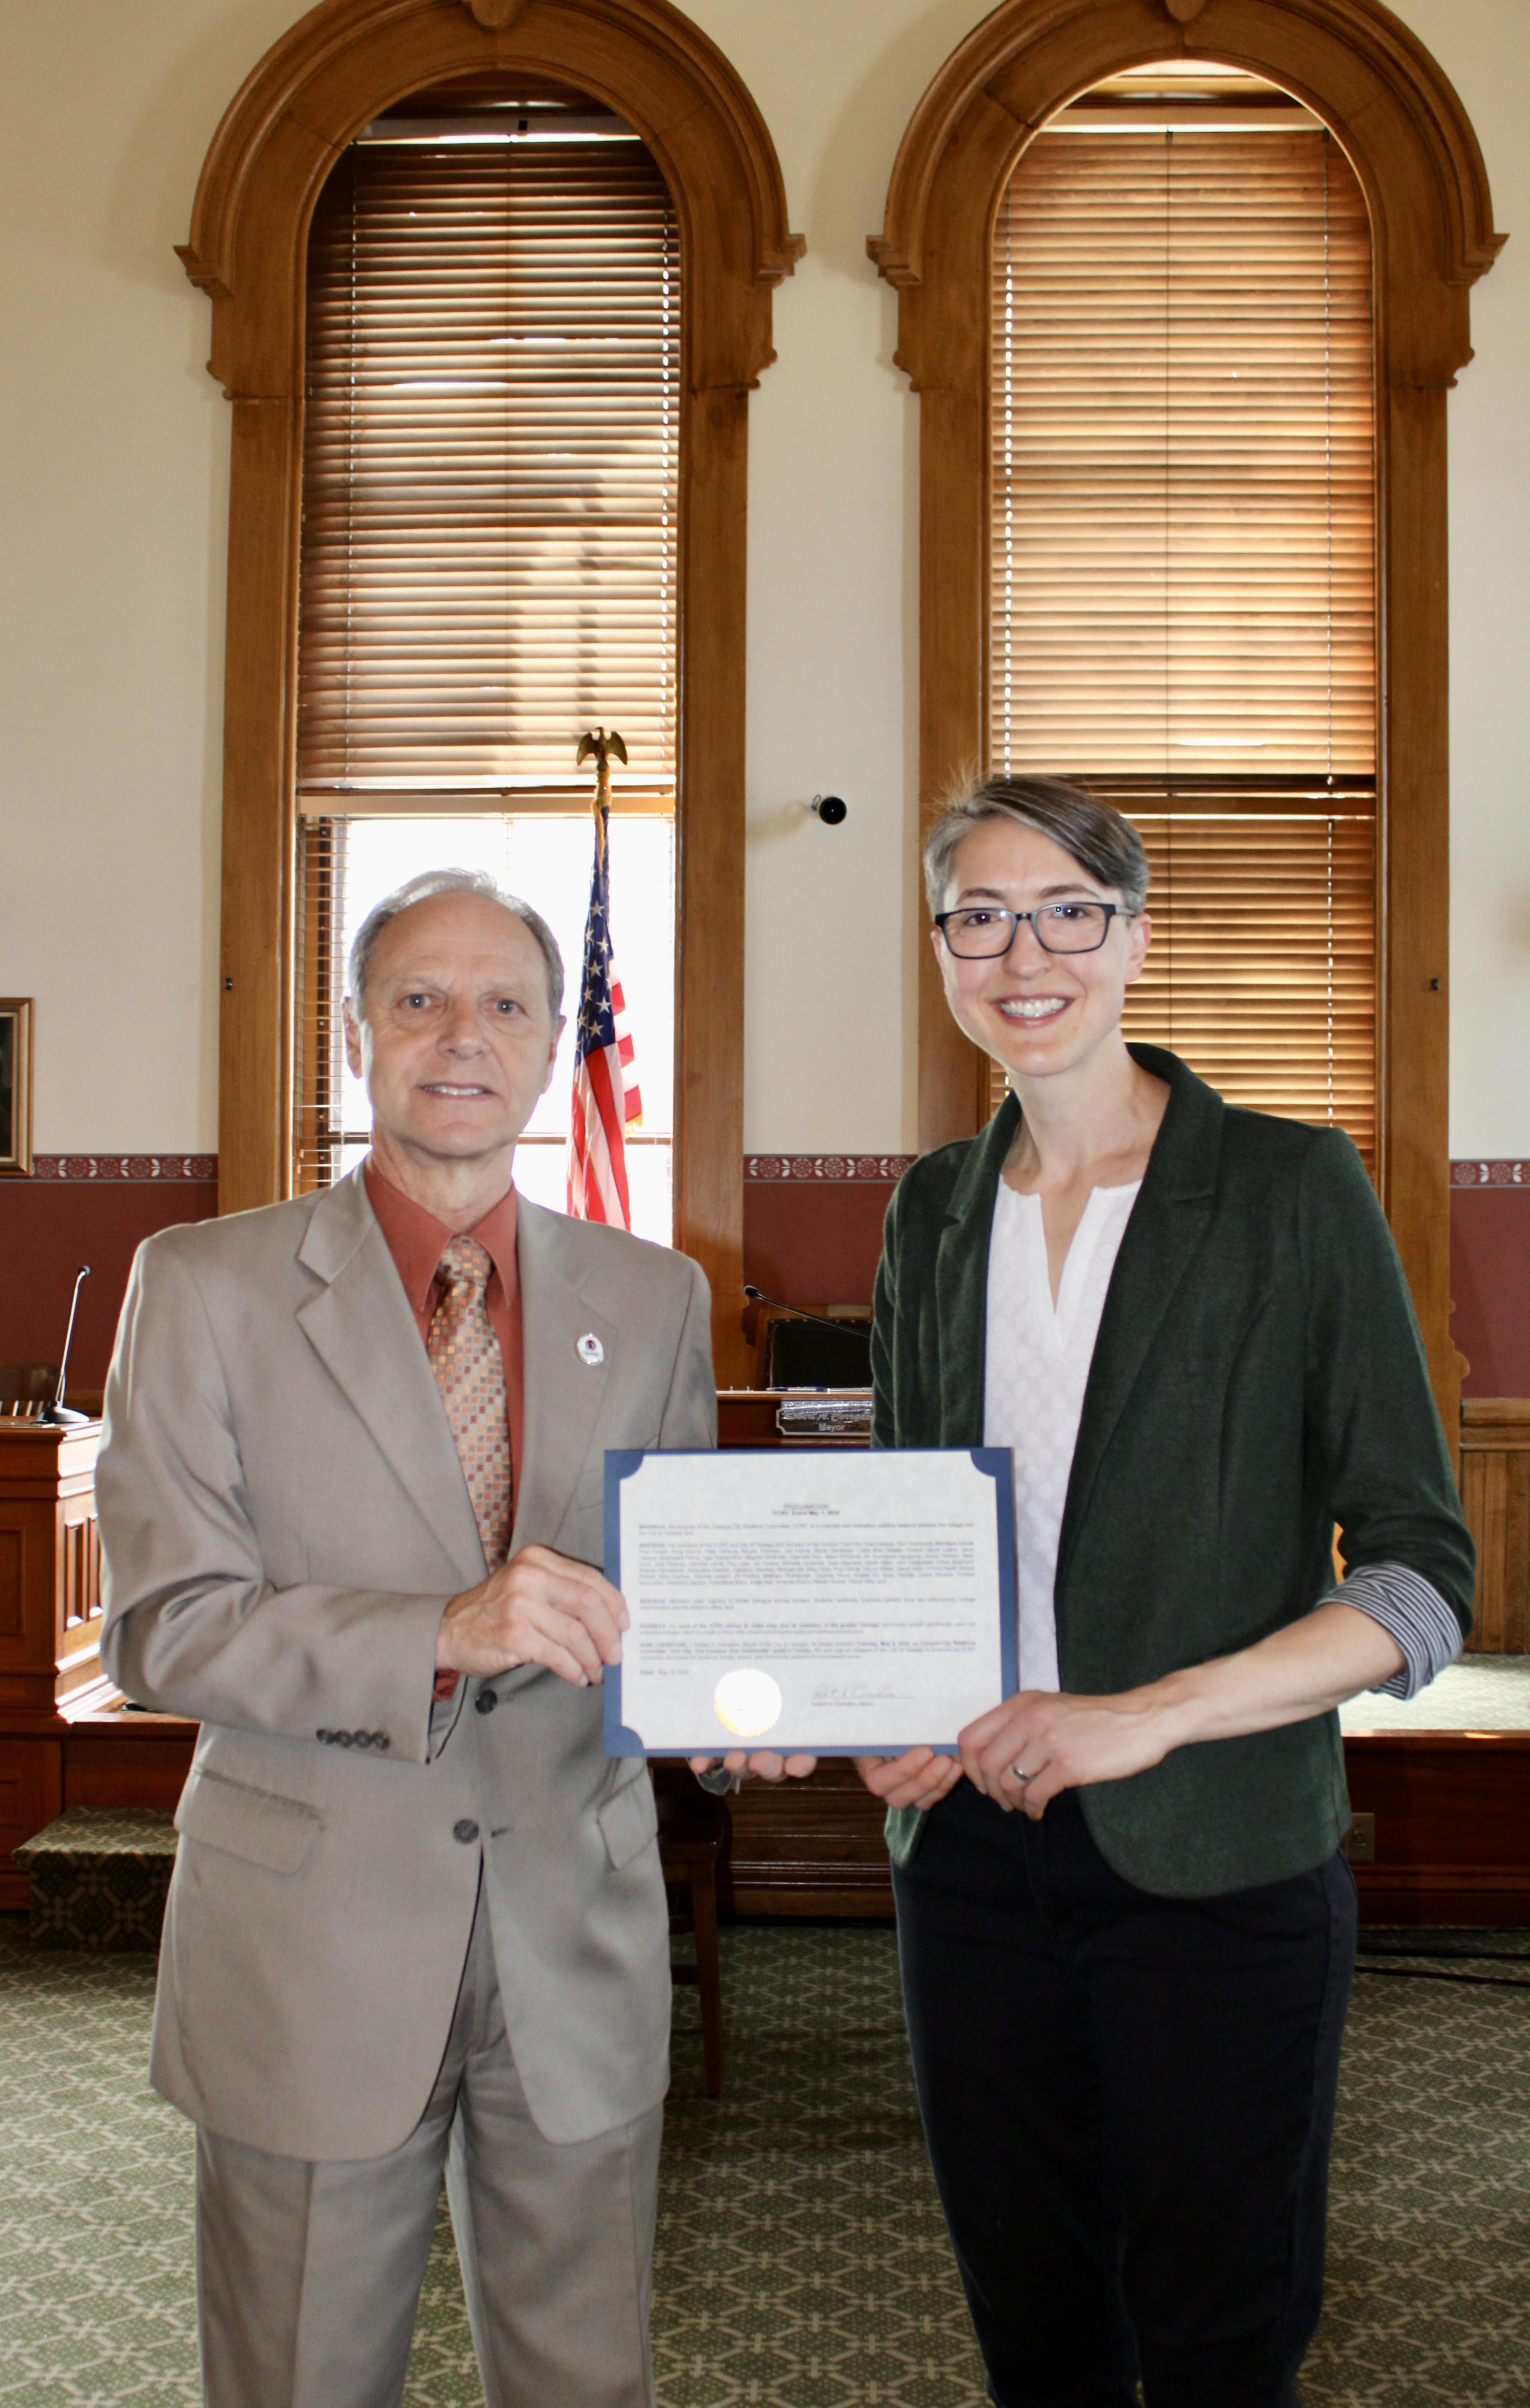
(592, 1353)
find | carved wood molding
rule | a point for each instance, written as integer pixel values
(327, 76)
(1352, 62)
(347, 60)
(1496, 1425)
(1403, 127)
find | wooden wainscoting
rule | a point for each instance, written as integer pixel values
(1451, 1809)
(1495, 1492)
(809, 1847)
(1449, 1825)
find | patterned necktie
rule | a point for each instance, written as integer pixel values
(470, 1374)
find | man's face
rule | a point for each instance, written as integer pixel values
(456, 1041)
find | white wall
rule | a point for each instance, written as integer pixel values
(1484, 47)
(113, 466)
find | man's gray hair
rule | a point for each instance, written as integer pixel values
(1094, 834)
(452, 881)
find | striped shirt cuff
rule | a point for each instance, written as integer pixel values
(1411, 1610)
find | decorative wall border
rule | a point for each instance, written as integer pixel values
(759, 1169)
(1490, 1174)
(762, 1170)
(116, 1168)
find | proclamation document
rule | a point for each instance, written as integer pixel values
(817, 1599)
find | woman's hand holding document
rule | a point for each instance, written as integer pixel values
(812, 1600)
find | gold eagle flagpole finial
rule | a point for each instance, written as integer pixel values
(601, 746)
(596, 741)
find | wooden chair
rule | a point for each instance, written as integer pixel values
(693, 1834)
(25, 1388)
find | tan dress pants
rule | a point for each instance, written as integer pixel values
(308, 2275)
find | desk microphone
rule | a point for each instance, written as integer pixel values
(57, 1412)
(821, 1320)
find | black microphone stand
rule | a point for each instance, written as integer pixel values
(822, 1319)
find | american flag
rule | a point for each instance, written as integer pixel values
(606, 1099)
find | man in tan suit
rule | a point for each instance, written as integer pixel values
(350, 1496)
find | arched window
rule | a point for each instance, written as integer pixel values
(1391, 114)
(489, 565)
(1183, 585)
(338, 70)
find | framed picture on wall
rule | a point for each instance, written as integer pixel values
(15, 1086)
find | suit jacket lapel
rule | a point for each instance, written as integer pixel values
(563, 1392)
(1167, 1223)
(961, 1281)
(360, 1325)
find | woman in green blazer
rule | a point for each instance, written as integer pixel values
(1125, 1922)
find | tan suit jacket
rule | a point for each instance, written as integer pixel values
(283, 1519)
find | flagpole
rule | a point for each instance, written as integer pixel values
(605, 1094)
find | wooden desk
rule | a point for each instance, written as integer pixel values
(65, 1739)
(50, 1565)
(808, 1847)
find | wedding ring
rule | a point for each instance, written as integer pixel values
(1017, 1774)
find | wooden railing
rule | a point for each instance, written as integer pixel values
(1495, 1492)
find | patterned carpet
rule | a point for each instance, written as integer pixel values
(801, 2258)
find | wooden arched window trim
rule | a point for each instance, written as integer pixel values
(1418, 161)
(333, 71)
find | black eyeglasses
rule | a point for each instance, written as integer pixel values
(985, 932)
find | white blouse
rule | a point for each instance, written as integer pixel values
(1038, 1368)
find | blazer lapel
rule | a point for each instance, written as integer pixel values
(1166, 1226)
(961, 1281)
(564, 1392)
(360, 1328)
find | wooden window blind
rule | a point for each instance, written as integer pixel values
(490, 486)
(1262, 970)
(490, 468)
(1182, 595)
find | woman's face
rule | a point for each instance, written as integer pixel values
(1038, 1013)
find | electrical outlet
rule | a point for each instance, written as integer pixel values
(1360, 1840)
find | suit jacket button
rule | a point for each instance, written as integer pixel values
(464, 1831)
(486, 1700)
(324, 1736)
(381, 1740)
(344, 1739)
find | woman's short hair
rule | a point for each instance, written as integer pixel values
(1093, 834)
(450, 882)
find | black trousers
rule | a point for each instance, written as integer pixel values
(1129, 2103)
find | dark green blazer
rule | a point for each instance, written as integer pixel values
(1258, 1378)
